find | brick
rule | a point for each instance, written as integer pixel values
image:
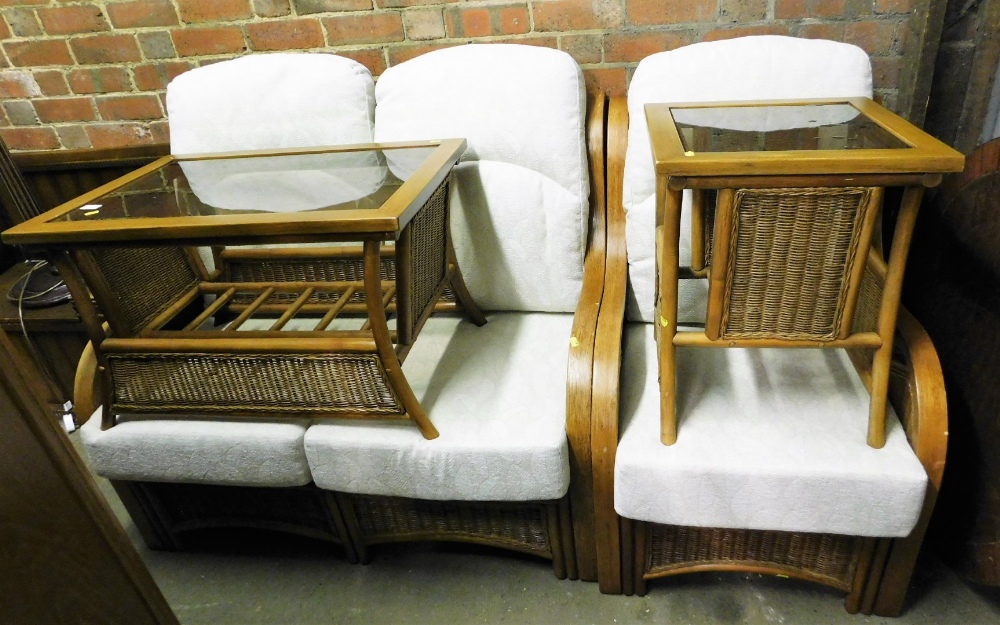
(584, 48)
(51, 82)
(642, 12)
(73, 137)
(373, 59)
(874, 37)
(156, 45)
(19, 84)
(99, 80)
(198, 11)
(72, 20)
(271, 8)
(56, 110)
(118, 135)
(610, 81)
(23, 22)
(474, 22)
(142, 13)
(513, 20)
(5, 32)
(20, 112)
(114, 108)
(105, 49)
(794, 9)
(631, 48)
(886, 70)
(293, 34)
(38, 53)
(833, 31)
(423, 24)
(307, 7)
(743, 10)
(205, 41)
(564, 15)
(374, 28)
(401, 54)
(539, 42)
(160, 131)
(893, 6)
(402, 4)
(155, 76)
(30, 138)
(748, 31)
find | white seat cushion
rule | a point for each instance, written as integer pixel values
(768, 439)
(519, 195)
(747, 68)
(263, 101)
(205, 452)
(496, 394)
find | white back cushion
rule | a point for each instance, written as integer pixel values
(519, 195)
(264, 101)
(768, 439)
(748, 68)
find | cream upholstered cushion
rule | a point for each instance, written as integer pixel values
(263, 101)
(747, 68)
(496, 394)
(770, 439)
(519, 195)
(238, 453)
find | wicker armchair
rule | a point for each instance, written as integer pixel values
(511, 467)
(772, 474)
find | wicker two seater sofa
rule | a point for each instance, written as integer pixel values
(511, 399)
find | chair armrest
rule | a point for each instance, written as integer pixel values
(608, 356)
(86, 395)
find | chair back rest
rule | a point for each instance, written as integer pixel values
(519, 195)
(265, 101)
(747, 68)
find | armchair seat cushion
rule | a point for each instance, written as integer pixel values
(204, 452)
(768, 439)
(497, 395)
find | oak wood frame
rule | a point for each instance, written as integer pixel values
(919, 166)
(883, 566)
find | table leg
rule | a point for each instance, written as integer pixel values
(668, 253)
(383, 342)
(461, 291)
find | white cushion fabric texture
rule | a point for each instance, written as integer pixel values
(264, 101)
(519, 197)
(236, 453)
(748, 68)
(496, 394)
(768, 439)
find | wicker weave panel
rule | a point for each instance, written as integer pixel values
(791, 253)
(428, 249)
(830, 558)
(520, 526)
(145, 280)
(867, 311)
(313, 270)
(251, 383)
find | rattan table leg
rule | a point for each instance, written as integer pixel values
(668, 254)
(461, 291)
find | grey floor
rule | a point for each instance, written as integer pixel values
(252, 578)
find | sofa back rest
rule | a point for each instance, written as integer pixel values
(519, 195)
(265, 101)
(748, 68)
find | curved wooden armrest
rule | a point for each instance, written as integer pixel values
(607, 358)
(86, 395)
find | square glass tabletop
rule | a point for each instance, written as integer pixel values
(791, 137)
(312, 191)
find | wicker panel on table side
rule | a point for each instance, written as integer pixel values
(428, 250)
(791, 256)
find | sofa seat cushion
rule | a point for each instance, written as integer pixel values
(238, 453)
(497, 395)
(768, 439)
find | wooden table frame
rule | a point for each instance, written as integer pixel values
(915, 168)
(93, 254)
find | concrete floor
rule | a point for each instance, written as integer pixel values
(252, 578)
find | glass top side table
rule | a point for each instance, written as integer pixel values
(177, 340)
(786, 200)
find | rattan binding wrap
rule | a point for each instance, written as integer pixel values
(235, 384)
(827, 558)
(519, 525)
(790, 259)
(145, 280)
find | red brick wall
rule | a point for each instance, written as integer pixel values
(93, 74)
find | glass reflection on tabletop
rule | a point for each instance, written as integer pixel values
(780, 127)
